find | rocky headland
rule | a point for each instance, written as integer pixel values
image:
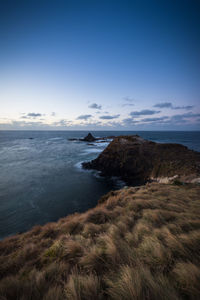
(138, 243)
(138, 161)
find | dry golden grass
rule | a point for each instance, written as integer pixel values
(138, 243)
(85, 287)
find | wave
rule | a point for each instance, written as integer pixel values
(55, 139)
(91, 150)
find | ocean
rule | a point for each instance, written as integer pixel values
(41, 179)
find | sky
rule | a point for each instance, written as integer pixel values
(99, 65)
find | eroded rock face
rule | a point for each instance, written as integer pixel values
(137, 161)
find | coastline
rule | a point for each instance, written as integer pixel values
(137, 242)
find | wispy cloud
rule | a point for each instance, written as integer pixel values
(109, 117)
(95, 106)
(189, 115)
(62, 123)
(170, 105)
(128, 101)
(175, 120)
(84, 117)
(163, 105)
(183, 107)
(129, 122)
(154, 119)
(22, 124)
(128, 104)
(144, 112)
(32, 116)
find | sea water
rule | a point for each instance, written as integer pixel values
(41, 178)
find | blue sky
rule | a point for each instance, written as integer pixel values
(116, 65)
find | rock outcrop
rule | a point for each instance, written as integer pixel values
(137, 161)
(89, 138)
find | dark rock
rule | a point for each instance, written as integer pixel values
(88, 138)
(73, 139)
(104, 140)
(137, 161)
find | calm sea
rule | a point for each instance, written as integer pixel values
(41, 178)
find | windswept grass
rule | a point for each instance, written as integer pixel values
(138, 243)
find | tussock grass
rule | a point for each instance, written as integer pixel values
(99, 216)
(72, 227)
(187, 277)
(138, 243)
(86, 287)
(139, 283)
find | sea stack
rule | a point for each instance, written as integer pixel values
(89, 138)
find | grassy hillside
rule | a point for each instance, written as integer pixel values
(138, 243)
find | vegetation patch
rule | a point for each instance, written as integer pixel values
(138, 243)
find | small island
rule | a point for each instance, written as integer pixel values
(90, 138)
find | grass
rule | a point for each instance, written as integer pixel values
(137, 243)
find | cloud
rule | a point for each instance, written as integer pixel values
(185, 116)
(163, 105)
(62, 122)
(32, 116)
(128, 99)
(95, 106)
(154, 119)
(84, 117)
(129, 122)
(170, 105)
(183, 107)
(173, 120)
(109, 117)
(128, 104)
(144, 112)
(53, 114)
(96, 123)
(22, 124)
